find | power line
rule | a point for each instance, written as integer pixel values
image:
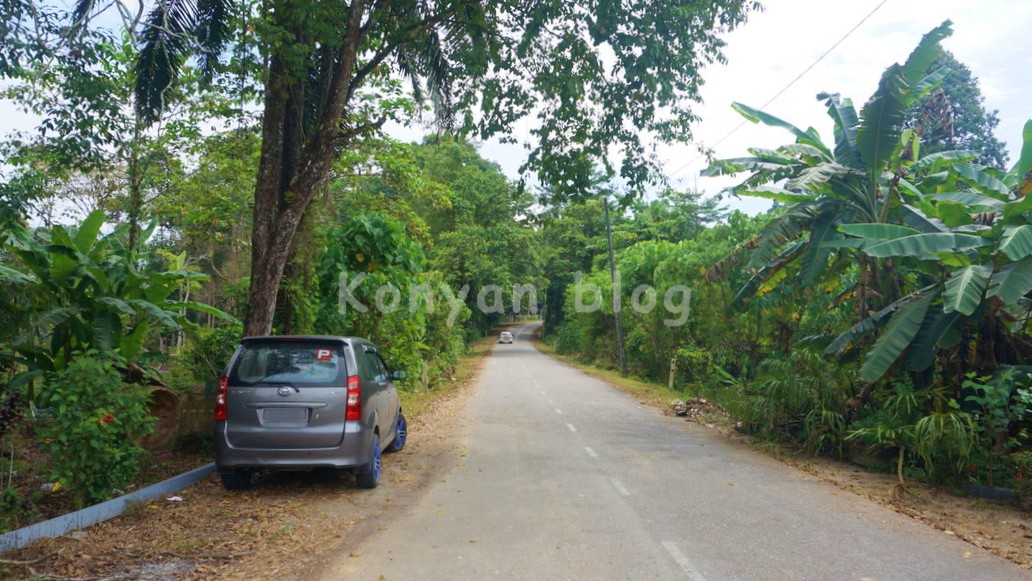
(789, 85)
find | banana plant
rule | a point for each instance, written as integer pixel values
(860, 179)
(90, 292)
(969, 245)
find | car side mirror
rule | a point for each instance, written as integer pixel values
(398, 375)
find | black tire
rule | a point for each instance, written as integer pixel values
(368, 476)
(238, 479)
(400, 435)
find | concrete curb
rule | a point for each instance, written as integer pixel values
(92, 515)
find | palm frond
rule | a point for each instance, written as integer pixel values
(425, 62)
(438, 72)
(212, 33)
(409, 70)
(80, 14)
(165, 47)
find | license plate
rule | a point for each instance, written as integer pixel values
(284, 415)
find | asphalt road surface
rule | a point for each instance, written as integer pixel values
(560, 476)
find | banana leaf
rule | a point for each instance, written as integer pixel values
(965, 289)
(1016, 243)
(898, 335)
(924, 245)
(1012, 282)
(934, 330)
(878, 231)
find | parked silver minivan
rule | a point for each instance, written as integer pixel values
(303, 402)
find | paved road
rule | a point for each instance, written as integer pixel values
(563, 477)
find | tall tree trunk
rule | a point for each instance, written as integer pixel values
(293, 166)
(264, 276)
(291, 316)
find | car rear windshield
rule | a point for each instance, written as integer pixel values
(313, 363)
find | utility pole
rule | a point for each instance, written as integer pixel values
(616, 293)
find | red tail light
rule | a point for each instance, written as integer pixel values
(354, 407)
(221, 414)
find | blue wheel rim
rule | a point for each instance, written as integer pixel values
(376, 459)
(402, 432)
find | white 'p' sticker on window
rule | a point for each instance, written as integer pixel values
(323, 354)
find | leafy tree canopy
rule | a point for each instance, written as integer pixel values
(954, 116)
(597, 75)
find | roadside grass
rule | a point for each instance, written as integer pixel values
(417, 401)
(716, 414)
(652, 394)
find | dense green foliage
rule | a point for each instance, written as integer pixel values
(878, 309)
(597, 77)
(80, 290)
(92, 419)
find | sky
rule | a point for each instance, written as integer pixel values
(992, 37)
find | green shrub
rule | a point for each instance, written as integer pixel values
(209, 350)
(11, 509)
(1022, 462)
(94, 419)
(694, 363)
(924, 426)
(997, 407)
(566, 340)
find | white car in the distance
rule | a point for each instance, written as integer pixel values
(505, 337)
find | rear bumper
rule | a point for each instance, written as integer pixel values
(353, 452)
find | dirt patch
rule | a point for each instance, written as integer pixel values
(998, 527)
(282, 528)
